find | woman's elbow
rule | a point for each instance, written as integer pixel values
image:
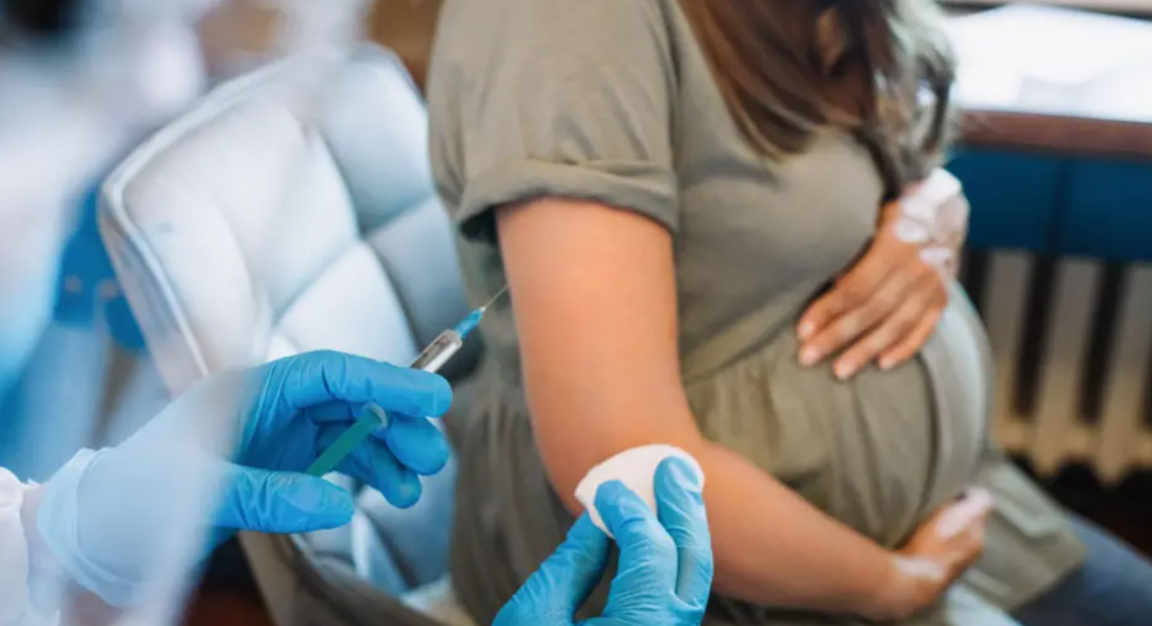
(568, 458)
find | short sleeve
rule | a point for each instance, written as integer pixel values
(534, 98)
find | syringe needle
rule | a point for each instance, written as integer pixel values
(494, 298)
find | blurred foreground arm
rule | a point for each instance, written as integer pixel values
(128, 522)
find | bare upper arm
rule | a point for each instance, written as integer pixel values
(571, 100)
(594, 296)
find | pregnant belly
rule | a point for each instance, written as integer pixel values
(878, 451)
(959, 366)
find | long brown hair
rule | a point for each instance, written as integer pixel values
(880, 69)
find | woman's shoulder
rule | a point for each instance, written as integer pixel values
(548, 27)
(570, 98)
(508, 11)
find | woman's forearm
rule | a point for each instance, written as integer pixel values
(774, 548)
(771, 546)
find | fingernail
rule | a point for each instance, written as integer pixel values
(809, 356)
(406, 492)
(981, 499)
(806, 329)
(683, 473)
(844, 371)
(887, 363)
(953, 522)
(973, 503)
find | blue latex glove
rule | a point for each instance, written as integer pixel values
(125, 521)
(665, 570)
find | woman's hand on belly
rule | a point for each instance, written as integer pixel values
(888, 304)
(940, 550)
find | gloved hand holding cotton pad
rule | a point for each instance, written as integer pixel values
(636, 469)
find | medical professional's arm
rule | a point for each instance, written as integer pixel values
(128, 523)
(594, 297)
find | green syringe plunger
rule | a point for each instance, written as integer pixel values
(373, 418)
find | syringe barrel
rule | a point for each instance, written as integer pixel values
(443, 348)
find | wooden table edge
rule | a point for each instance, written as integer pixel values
(1065, 134)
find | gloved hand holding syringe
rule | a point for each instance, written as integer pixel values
(431, 359)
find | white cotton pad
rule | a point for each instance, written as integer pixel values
(636, 468)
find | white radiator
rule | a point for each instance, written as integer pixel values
(1073, 345)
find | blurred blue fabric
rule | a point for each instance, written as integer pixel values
(88, 380)
(87, 288)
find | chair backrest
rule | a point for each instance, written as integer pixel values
(241, 236)
(291, 211)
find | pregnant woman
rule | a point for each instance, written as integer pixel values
(697, 207)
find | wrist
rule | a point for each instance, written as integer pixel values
(883, 592)
(908, 585)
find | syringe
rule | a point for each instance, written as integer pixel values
(431, 359)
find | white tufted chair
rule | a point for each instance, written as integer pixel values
(261, 225)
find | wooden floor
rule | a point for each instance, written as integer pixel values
(229, 596)
(220, 607)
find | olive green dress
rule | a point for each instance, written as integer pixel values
(612, 100)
